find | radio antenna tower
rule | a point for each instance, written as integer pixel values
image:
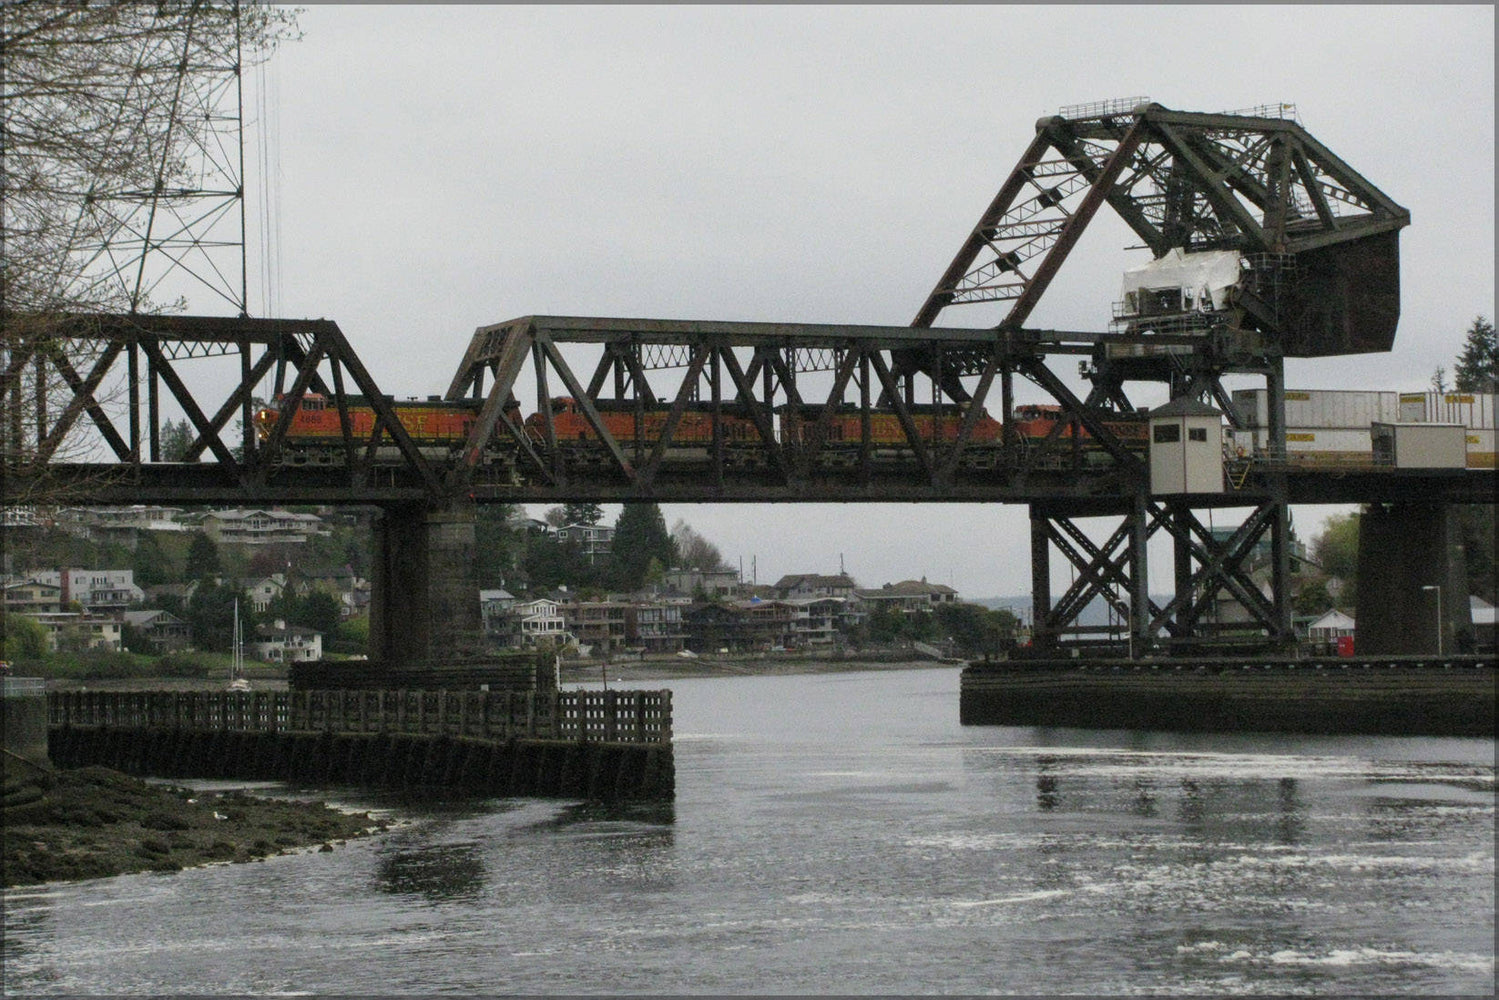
(180, 237)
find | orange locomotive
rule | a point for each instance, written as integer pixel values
(437, 427)
(691, 441)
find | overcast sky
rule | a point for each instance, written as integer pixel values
(442, 168)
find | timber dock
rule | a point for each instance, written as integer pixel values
(597, 745)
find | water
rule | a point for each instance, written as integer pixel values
(843, 834)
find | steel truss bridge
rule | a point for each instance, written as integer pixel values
(897, 413)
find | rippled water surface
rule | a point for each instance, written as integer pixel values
(843, 834)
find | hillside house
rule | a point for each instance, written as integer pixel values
(261, 527)
(909, 597)
(97, 590)
(280, 643)
(599, 624)
(33, 598)
(803, 585)
(594, 540)
(163, 630)
(538, 623)
(655, 627)
(70, 630)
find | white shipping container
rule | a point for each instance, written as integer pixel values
(1320, 407)
(1471, 409)
(1480, 448)
(1312, 445)
(1420, 446)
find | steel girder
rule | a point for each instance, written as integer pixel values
(135, 353)
(754, 372)
(1208, 570)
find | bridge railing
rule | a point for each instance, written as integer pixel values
(609, 716)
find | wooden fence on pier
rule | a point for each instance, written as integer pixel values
(608, 716)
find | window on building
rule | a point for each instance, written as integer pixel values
(1167, 433)
(1197, 434)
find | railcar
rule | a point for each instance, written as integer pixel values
(438, 428)
(691, 443)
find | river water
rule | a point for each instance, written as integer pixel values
(841, 833)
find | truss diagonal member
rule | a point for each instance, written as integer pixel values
(970, 418)
(1219, 569)
(1035, 369)
(898, 403)
(84, 399)
(946, 288)
(685, 392)
(1312, 185)
(184, 398)
(336, 346)
(808, 457)
(236, 399)
(507, 361)
(1117, 194)
(291, 402)
(1210, 177)
(758, 413)
(1078, 221)
(1096, 569)
(345, 425)
(590, 412)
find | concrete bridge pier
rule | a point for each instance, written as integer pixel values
(1410, 562)
(424, 607)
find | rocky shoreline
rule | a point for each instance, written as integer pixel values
(92, 822)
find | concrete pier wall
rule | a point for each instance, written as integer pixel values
(1406, 697)
(1410, 560)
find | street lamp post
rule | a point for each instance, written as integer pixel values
(1438, 588)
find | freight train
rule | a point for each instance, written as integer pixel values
(440, 428)
(1323, 428)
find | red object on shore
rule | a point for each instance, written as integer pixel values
(1345, 645)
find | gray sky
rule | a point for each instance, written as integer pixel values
(441, 168)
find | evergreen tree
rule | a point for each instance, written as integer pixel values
(582, 513)
(210, 616)
(202, 557)
(1477, 367)
(640, 536)
(176, 438)
(319, 610)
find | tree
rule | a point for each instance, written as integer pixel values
(176, 438)
(1439, 379)
(499, 543)
(202, 557)
(150, 563)
(640, 535)
(582, 513)
(1477, 367)
(319, 610)
(693, 550)
(1336, 549)
(210, 616)
(102, 125)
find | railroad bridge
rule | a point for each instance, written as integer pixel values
(1290, 253)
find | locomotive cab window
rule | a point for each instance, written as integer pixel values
(1167, 434)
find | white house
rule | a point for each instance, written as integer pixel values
(278, 643)
(261, 527)
(540, 620)
(1333, 625)
(94, 589)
